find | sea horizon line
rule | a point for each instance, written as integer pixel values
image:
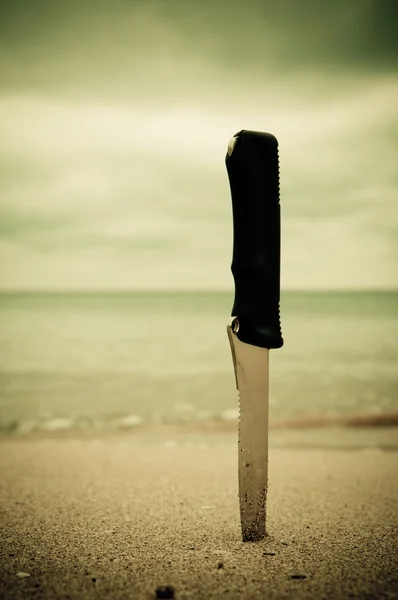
(188, 291)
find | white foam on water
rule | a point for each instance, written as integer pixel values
(130, 421)
(58, 424)
(230, 414)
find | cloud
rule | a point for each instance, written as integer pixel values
(190, 50)
(336, 253)
(116, 121)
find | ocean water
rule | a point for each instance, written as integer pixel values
(132, 359)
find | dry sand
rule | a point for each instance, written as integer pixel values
(117, 517)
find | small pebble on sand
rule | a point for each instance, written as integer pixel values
(165, 591)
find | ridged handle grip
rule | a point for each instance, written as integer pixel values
(252, 164)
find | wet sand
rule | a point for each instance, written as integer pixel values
(120, 516)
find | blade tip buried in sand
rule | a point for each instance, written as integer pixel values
(251, 372)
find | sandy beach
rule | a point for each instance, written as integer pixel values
(120, 516)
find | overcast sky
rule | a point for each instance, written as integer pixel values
(115, 118)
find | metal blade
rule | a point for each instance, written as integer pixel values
(251, 372)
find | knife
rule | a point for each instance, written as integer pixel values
(252, 164)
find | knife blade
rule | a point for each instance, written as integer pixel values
(252, 164)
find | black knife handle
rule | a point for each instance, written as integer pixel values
(253, 171)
